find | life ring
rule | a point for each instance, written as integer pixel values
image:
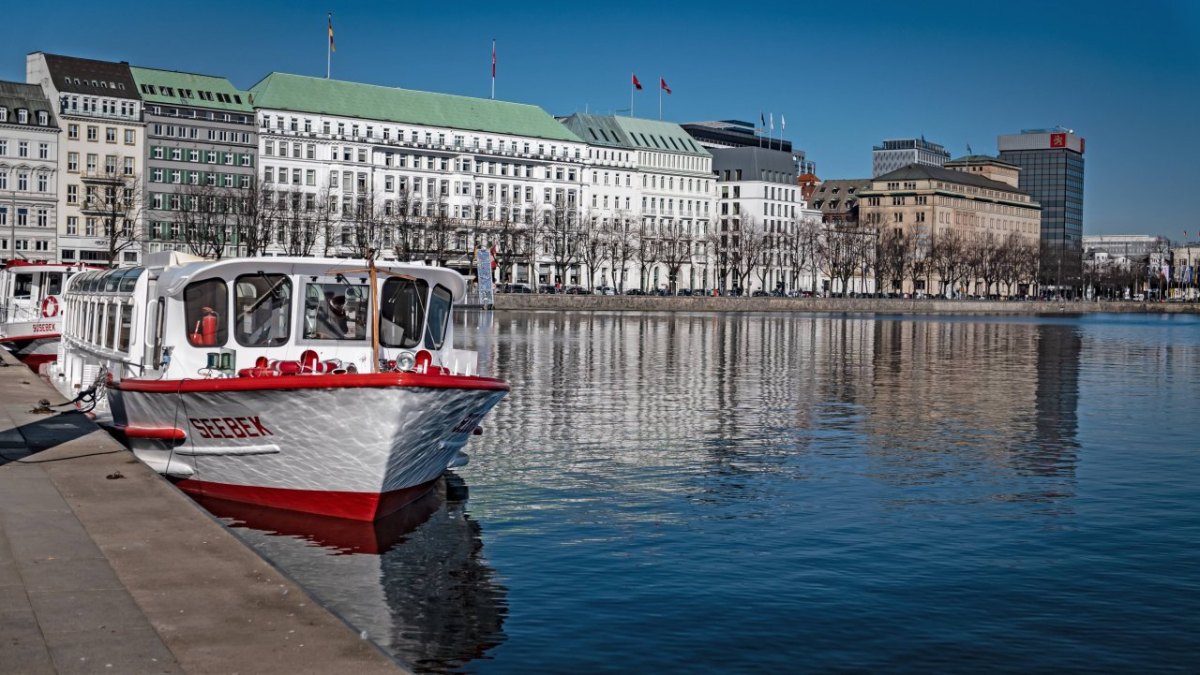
(49, 307)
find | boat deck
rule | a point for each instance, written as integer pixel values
(106, 567)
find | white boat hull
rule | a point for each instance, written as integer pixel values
(353, 452)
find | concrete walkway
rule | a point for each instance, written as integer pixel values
(107, 568)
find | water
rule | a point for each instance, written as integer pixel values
(766, 493)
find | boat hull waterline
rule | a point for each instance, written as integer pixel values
(351, 446)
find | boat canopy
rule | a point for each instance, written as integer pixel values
(121, 280)
(173, 280)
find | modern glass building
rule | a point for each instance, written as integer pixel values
(1051, 162)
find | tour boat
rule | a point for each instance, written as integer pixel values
(316, 385)
(29, 313)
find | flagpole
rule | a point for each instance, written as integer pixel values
(660, 88)
(329, 45)
(632, 89)
(493, 69)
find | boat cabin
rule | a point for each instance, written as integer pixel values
(25, 287)
(257, 317)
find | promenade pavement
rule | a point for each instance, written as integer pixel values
(107, 568)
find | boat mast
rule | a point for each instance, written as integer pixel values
(373, 276)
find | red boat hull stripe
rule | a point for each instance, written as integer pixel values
(352, 505)
(345, 381)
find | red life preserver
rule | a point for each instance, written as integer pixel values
(49, 306)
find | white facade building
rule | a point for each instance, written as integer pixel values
(654, 181)
(100, 153)
(480, 165)
(28, 173)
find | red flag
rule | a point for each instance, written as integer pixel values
(663, 83)
(493, 59)
(636, 85)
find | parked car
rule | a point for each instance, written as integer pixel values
(684, 292)
(575, 290)
(547, 288)
(605, 290)
(759, 294)
(635, 291)
(514, 288)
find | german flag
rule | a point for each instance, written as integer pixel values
(331, 47)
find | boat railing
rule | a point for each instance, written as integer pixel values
(14, 313)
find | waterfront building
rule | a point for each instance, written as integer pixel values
(739, 134)
(1051, 162)
(413, 174)
(28, 173)
(972, 205)
(672, 201)
(1131, 247)
(100, 199)
(760, 213)
(200, 156)
(900, 152)
(838, 246)
(1185, 265)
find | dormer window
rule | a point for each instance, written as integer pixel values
(43, 118)
(22, 116)
(3, 114)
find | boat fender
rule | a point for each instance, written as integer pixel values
(309, 361)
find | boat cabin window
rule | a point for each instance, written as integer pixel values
(264, 309)
(439, 313)
(23, 286)
(402, 312)
(336, 311)
(53, 283)
(206, 313)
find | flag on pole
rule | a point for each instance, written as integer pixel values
(493, 59)
(663, 83)
(782, 123)
(771, 126)
(331, 47)
(636, 85)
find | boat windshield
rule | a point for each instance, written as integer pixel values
(336, 311)
(402, 314)
(264, 309)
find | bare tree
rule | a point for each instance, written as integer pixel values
(207, 218)
(116, 202)
(562, 238)
(592, 249)
(439, 232)
(674, 249)
(842, 249)
(368, 228)
(796, 247)
(301, 220)
(621, 242)
(253, 213)
(747, 252)
(946, 253)
(893, 258)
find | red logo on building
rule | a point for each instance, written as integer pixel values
(1058, 140)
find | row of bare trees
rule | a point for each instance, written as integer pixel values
(213, 221)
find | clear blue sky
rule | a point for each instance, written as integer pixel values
(1124, 75)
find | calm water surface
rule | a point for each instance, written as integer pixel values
(748, 493)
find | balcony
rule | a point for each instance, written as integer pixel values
(103, 176)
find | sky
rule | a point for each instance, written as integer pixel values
(1125, 76)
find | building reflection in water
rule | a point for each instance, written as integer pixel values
(415, 582)
(692, 402)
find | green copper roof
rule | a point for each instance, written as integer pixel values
(281, 91)
(659, 135)
(633, 133)
(202, 91)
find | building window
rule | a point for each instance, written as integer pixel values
(110, 135)
(72, 226)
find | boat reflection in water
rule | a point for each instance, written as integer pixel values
(415, 582)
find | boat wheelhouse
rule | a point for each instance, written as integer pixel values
(30, 308)
(318, 385)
